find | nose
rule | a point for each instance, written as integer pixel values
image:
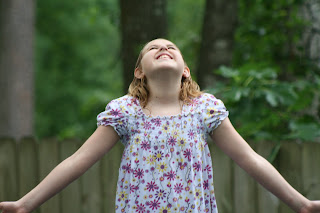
(162, 47)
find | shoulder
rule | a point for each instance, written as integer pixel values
(205, 99)
(126, 104)
(124, 100)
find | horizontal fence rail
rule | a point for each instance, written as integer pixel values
(24, 163)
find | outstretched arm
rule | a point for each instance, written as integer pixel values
(98, 144)
(228, 139)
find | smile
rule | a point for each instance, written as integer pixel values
(164, 56)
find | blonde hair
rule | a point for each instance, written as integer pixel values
(139, 87)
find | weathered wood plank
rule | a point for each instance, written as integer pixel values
(311, 170)
(91, 190)
(223, 179)
(48, 160)
(267, 202)
(110, 172)
(70, 196)
(290, 168)
(245, 198)
(28, 165)
(24, 164)
(8, 168)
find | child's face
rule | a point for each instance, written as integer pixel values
(161, 56)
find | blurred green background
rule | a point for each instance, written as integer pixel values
(270, 84)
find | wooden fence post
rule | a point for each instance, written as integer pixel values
(70, 196)
(48, 160)
(8, 168)
(91, 190)
(110, 172)
(245, 198)
(311, 170)
(223, 179)
(267, 202)
(28, 165)
(23, 164)
(290, 168)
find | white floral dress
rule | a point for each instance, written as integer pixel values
(166, 164)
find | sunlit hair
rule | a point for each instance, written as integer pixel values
(139, 87)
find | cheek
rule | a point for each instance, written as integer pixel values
(145, 62)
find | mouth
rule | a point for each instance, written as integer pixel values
(164, 56)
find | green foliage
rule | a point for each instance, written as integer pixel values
(273, 90)
(268, 31)
(77, 65)
(185, 27)
(272, 93)
(77, 57)
(265, 108)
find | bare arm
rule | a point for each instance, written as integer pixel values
(228, 139)
(98, 144)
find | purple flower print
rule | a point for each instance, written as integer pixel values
(141, 208)
(147, 125)
(197, 166)
(115, 112)
(138, 173)
(133, 188)
(172, 141)
(158, 156)
(170, 175)
(161, 194)
(191, 134)
(155, 204)
(187, 154)
(161, 152)
(156, 121)
(178, 188)
(127, 168)
(151, 186)
(206, 184)
(145, 145)
(208, 169)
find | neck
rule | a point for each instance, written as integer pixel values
(164, 92)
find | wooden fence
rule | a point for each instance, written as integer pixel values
(23, 164)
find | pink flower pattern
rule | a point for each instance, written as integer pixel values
(166, 164)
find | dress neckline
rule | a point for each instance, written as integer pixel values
(140, 109)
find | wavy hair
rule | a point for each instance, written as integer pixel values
(139, 87)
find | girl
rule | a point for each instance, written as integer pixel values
(164, 123)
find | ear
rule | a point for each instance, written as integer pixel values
(138, 73)
(186, 72)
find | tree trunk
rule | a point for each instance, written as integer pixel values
(310, 12)
(220, 20)
(311, 38)
(141, 21)
(16, 67)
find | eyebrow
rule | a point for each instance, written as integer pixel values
(168, 45)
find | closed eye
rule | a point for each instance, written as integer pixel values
(153, 47)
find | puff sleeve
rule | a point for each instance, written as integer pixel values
(214, 112)
(115, 117)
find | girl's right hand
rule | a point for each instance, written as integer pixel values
(11, 207)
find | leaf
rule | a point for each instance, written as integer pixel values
(271, 98)
(306, 132)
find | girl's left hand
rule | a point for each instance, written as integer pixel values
(313, 207)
